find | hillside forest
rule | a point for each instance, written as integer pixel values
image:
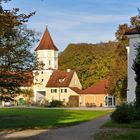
(92, 62)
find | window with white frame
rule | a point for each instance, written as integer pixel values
(109, 101)
(63, 90)
(53, 90)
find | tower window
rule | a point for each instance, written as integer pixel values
(49, 62)
(42, 72)
(42, 80)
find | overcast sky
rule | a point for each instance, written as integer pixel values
(78, 21)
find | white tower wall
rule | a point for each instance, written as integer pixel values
(48, 57)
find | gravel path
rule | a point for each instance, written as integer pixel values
(83, 131)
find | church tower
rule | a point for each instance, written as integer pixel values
(46, 52)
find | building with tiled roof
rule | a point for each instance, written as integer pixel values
(49, 82)
(96, 95)
(47, 52)
(98, 88)
(60, 78)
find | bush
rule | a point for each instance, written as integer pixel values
(125, 113)
(56, 103)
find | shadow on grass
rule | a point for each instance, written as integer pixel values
(79, 132)
(25, 118)
(13, 120)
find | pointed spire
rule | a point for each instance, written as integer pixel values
(46, 42)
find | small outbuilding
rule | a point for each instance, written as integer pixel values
(96, 96)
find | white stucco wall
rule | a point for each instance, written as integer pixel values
(48, 57)
(41, 78)
(59, 95)
(75, 82)
(133, 40)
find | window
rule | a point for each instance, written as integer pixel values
(49, 62)
(53, 90)
(109, 100)
(42, 80)
(42, 72)
(63, 90)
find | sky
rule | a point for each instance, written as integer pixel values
(77, 21)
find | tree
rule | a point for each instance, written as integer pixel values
(11, 18)
(16, 42)
(92, 62)
(136, 68)
(136, 65)
(28, 94)
(118, 74)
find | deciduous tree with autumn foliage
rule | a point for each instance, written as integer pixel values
(16, 41)
(118, 74)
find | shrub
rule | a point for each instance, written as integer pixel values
(56, 103)
(125, 113)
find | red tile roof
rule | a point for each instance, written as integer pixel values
(46, 42)
(76, 89)
(132, 31)
(60, 78)
(99, 88)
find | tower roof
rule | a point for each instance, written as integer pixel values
(46, 42)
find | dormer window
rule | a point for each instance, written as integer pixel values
(61, 80)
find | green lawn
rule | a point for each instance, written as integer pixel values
(23, 118)
(114, 131)
(112, 124)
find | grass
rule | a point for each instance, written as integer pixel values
(118, 134)
(115, 131)
(112, 124)
(24, 118)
